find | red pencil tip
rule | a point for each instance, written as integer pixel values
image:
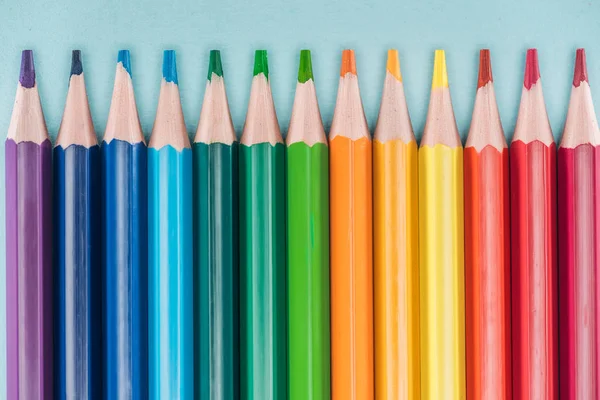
(485, 68)
(580, 74)
(532, 69)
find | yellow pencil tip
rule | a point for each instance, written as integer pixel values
(440, 74)
(393, 64)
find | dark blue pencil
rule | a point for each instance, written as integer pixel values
(125, 244)
(78, 290)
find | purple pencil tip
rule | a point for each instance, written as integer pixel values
(27, 75)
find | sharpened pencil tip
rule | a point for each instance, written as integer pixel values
(169, 67)
(125, 60)
(440, 73)
(485, 68)
(76, 65)
(348, 63)
(532, 69)
(261, 64)
(393, 64)
(214, 64)
(580, 74)
(305, 69)
(27, 74)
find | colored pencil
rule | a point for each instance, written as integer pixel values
(216, 241)
(125, 244)
(579, 234)
(28, 169)
(352, 360)
(307, 169)
(170, 240)
(441, 251)
(533, 245)
(262, 245)
(487, 247)
(78, 289)
(396, 244)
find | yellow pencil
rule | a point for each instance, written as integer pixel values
(441, 246)
(396, 234)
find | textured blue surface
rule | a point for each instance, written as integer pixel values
(78, 279)
(415, 27)
(125, 267)
(170, 274)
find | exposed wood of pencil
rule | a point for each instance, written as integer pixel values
(216, 244)
(396, 244)
(29, 296)
(77, 253)
(307, 173)
(262, 245)
(352, 360)
(487, 247)
(125, 243)
(441, 251)
(533, 245)
(579, 251)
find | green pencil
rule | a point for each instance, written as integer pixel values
(262, 245)
(216, 240)
(308, 243)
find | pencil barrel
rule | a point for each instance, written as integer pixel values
(308, 271)
(352, 359)
(534, 270)
(125, 269)
(396, 269)
(487, 273)
(216, 270)
(29, 296)
(579, 255)
(78, 288)
(441, 273)
(170, 274)
(262, 272)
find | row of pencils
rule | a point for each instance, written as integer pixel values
(348, 268)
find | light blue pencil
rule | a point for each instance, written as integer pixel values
(170, 252)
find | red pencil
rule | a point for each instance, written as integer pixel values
(533, 228)
(579, 230)
(487, 251)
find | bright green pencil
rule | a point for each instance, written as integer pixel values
(216, 244)
(262, 246)
(307, 168)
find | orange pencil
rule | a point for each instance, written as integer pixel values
(487, 247)
(351, 242)
(396, 244)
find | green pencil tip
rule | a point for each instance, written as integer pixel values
(260, 63)
(305, 70)
(215, 66)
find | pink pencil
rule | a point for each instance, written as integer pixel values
(579, 252)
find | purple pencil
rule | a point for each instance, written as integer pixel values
(28, 244)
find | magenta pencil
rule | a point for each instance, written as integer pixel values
(28, 244)
(579, 251)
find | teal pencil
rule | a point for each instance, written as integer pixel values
(216, 256)
(170, 273)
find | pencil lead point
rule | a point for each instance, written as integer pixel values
(27, 74)
(393, 64)
(532, 69)
(348, 63)
(440, 73)
(125, 60)
(169, 67)
(485, 68)
(76, 65)
(305, 69)
(580, 74)
(214, 64)
(261, 64)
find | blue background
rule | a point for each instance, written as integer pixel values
(417, 27)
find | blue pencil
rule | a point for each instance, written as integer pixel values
(125, 244)
(78, 335)
(170, 259)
